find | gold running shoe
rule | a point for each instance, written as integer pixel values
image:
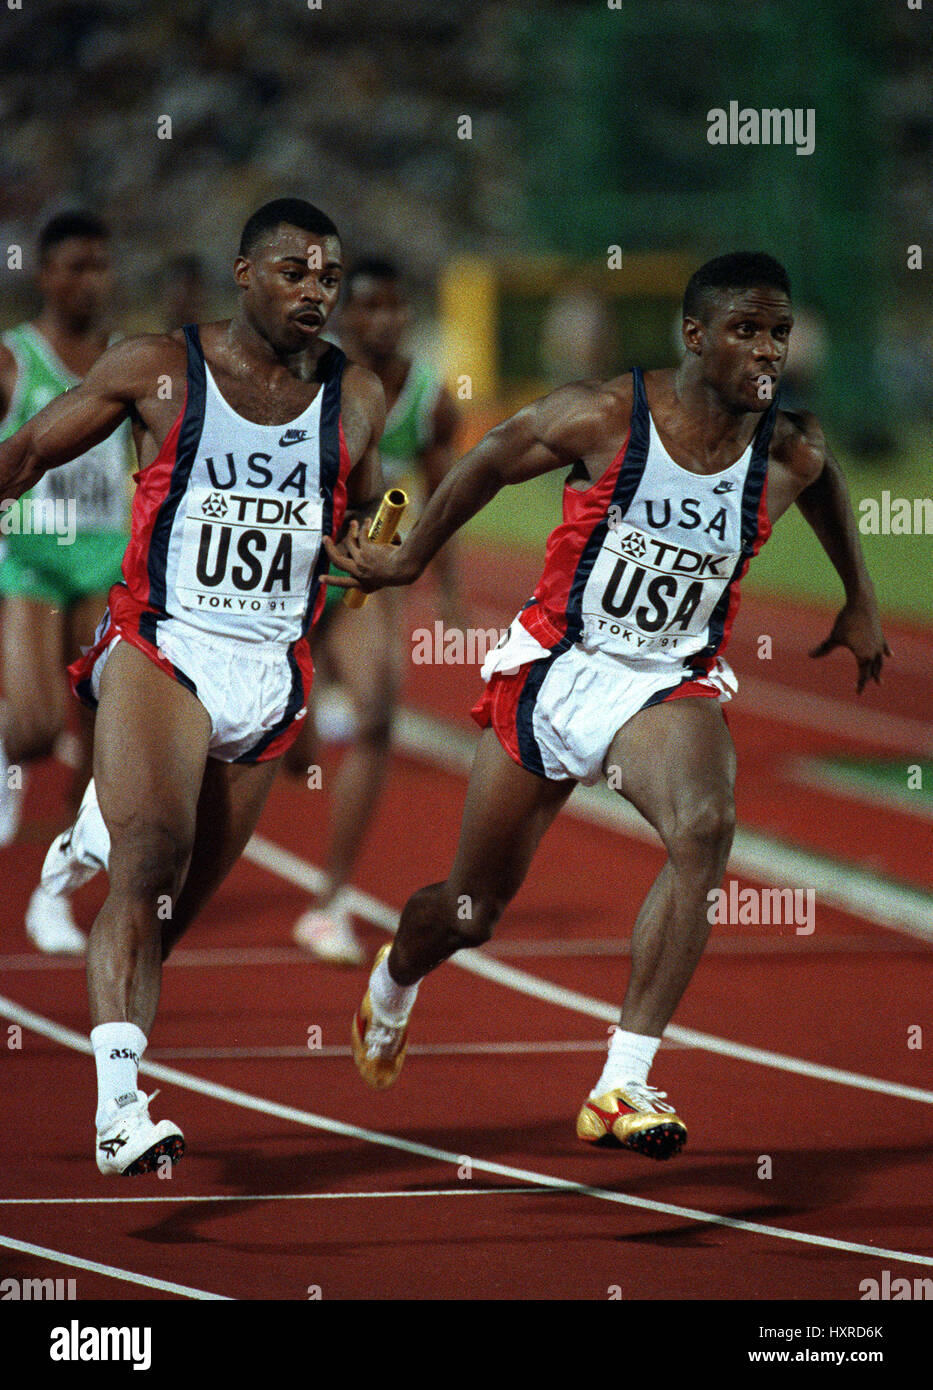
(378, 1047)
(633, 1116)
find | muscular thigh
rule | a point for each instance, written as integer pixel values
(231, 799)
(507, 811)
(150, 748)
(672, 756)
(33, 655)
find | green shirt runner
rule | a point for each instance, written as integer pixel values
(87, 498)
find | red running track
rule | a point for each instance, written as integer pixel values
(399, 1194)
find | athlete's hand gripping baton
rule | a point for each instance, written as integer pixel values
(384, 526)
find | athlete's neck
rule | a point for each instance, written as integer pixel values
(713, 419)
(247, 344)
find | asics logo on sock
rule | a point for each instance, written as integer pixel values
(111, 1147)
(116, 1053)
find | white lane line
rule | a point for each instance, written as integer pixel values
(68, 1038)
(870, 896)
(802, 709)
(128, 1276)
(221, 957)
(482, 1049)
(304, 875)
(463, 1191)
(859, 788)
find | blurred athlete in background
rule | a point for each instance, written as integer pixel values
(184, 291)
(55, 585)
(362, 650)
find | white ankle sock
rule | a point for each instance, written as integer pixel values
(118, 1051)
(630, 1058)
(91, 839)
(394, 1002)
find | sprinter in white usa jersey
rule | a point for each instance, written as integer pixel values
(613, 666)
(255, 438)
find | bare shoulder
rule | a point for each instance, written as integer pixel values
(362, 382)
(799, 444)
(132, 366)
(362, 390)
(586, 413)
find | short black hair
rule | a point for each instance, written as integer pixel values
(295, 211)
(76, 223)
(370, 268)
(741, 270)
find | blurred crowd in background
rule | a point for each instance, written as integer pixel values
(358, 106)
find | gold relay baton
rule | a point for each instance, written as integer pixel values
(384, 526)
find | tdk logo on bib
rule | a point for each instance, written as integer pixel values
(248, 554)
(647, 593)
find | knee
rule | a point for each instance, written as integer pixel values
(701, 832)
(148, 860)
(475, 915)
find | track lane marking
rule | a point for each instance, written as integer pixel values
(462, 1191)
(219, 957)
(872, 897)
(304, 875)
(79, 1043)
(24, 1247)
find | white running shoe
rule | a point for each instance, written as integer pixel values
(51, 926)
(329, 936)
(11, 799)
(79, 852)
(131, 1143)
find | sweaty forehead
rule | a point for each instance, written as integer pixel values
(761, 299)
(294, 241)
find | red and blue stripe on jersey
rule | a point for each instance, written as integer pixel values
(139, 604)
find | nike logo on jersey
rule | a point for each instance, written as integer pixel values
(292, 437)
(724, 487)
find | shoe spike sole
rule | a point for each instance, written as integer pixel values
(659, 1142)
(147, 1162)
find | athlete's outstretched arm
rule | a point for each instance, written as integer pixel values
(366, 400)
(553, 432)
(828, 511)
(80, 418)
